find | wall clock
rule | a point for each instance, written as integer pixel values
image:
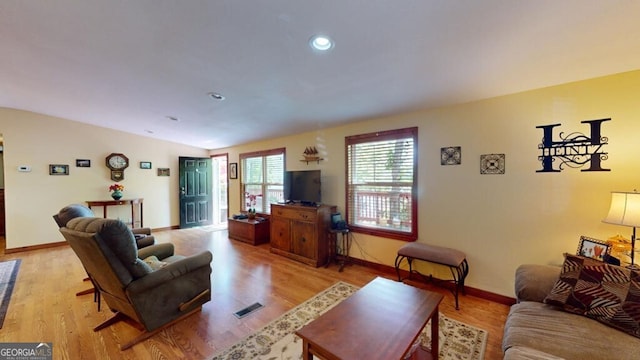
(117, 163)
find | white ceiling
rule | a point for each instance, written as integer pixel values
(130, 64)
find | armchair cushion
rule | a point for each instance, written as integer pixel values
(154, 262)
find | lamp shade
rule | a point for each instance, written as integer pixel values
(624, 209)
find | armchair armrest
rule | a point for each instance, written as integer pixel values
(170, 272)
(142, 231)
(172, 291)
(534, 282)
(161, 251)
(142, 241)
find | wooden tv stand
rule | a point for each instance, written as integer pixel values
(301, 232)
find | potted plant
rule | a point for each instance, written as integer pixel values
(251, 203)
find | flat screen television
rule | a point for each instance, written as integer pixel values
(302, 187)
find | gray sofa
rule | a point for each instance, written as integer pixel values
(535, 330)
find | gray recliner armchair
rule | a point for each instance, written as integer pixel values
(143, 235)
(154, 298)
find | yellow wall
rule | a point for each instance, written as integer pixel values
(499, 221)
(38, 140)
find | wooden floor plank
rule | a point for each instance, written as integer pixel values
(44, 307)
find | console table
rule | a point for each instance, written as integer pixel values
(136, 207)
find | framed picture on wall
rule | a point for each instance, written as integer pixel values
(593, 248)
(492, 163)
(233, 171)
(145, 165)
(57, 169)
(164, 171)
(83, 163)
(451, 155)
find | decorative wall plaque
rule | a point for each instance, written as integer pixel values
(451, 155)
(492, 164)
(574, 150)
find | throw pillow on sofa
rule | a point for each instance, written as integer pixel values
(607, 293)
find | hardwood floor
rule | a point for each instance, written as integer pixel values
(44, 307)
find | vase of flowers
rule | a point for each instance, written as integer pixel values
(116, 191)
(251, 203)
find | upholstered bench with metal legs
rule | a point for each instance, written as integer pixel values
(456, 261)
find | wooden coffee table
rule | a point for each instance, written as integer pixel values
(380, 321)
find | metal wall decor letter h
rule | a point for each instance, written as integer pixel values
(573, 150)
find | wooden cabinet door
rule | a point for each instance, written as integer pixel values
(303, 239)
(280, 235)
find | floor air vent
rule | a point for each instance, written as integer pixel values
(248, 310)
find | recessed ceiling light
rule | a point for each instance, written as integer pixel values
(216, 96)
(173, 118)
(321, 42)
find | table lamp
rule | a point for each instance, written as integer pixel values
(625, 211)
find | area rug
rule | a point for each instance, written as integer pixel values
(8, 274)
(276, 340)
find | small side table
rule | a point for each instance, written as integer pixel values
(345, 247)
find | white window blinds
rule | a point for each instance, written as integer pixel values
(381, 181)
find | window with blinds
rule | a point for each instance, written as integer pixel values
(381, 183)
(262, 179)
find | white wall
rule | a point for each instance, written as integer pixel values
(499, 221)
(38, 140)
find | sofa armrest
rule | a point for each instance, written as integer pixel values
(534, 282)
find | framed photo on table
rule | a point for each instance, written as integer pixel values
(233, 171)
(593, 248)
